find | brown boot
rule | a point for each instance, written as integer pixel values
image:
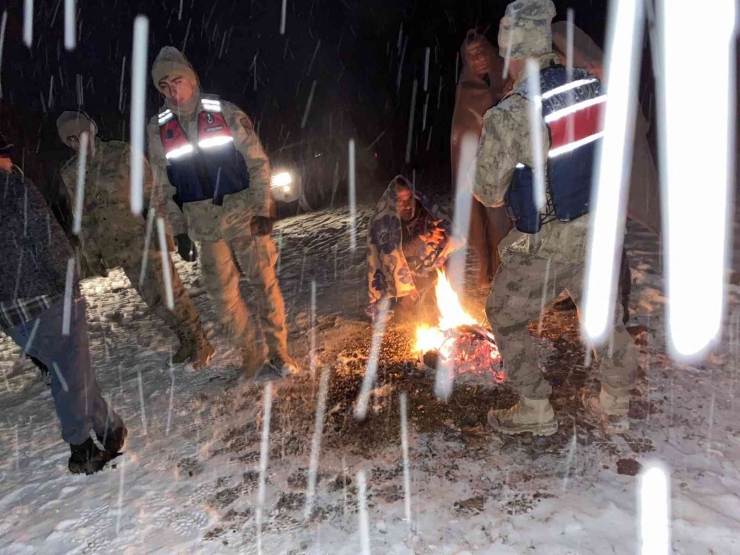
(194, 348)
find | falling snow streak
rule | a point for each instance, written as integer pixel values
(138, 111)
(147, 242)
(141, 401)
(308, 105)
(405, 449)
(28, 22)
(28, 345)
(426, 68)
(362, 514)
(120, 87)
(400, 64)
(179, 12)
(3, 23)
(463, 205)
(535, 132)
(507, 55)
(313, 329)
(172, 398)
(80, 188)
(424, 116)
(264, 455)
(166, 265)
(409, 137)
(570, 131)
(69, 25)
(697, 146)
(187, 34)
(654, 497)
(371, 369)
(283, 13)
(120, 496)
(313, 58)
(544, 297)
(612, 172)
(60, 376)
(352, 198)
(68, 284)
(316, 442)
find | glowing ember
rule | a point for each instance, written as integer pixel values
(452, 315)
(458, 340)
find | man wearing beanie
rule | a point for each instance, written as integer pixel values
(38, 268)
(215, 177)
(545, 253)
(111, 236)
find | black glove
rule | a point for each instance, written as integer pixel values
(260, 225)
(185, 247)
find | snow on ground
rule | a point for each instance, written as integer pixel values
(188, 480)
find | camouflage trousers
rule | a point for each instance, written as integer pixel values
(518, 295)
(184, 319)
(222, 264)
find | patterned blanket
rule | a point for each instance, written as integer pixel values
(394, 267)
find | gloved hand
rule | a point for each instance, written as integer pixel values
(185, 246)
(260, 225)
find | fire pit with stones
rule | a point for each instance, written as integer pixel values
(458, 343)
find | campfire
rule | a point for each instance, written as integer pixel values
(457, 342)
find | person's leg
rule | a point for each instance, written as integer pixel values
(78, 400)
(618, 363)
(257, 257)
(183, 319)
(221, 279)
(514, 302)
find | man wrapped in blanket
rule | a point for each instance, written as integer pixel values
(408, 239)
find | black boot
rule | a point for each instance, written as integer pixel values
(87, 458)
(113, 439)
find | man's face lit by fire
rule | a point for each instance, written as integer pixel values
(177, 89)
(405, 203)
(478, 57)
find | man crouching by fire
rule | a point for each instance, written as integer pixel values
(408, 239)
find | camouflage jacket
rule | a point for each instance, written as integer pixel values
(204, 218)
(110, 234)
(504, 143)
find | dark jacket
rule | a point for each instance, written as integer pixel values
(34, 249)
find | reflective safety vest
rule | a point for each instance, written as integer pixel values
(211, 170)
(573, 113)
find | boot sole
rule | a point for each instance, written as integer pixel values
(541, 430)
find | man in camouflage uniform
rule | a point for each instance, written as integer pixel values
(516, 295)
(111, 236)
(234, 230)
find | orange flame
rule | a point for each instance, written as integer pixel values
(452, 315)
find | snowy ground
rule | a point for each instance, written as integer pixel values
(188, 482)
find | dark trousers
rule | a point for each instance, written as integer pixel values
(488, 226)
(78, 400)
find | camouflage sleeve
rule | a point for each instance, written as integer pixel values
(248, 144)
(88, 247)
(505, 142)
(160, 183)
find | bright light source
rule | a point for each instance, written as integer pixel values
(697, 147)
(654, 494)
(612, 171)
(282, 179)
(286, 188)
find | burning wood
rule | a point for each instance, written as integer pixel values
(458, 340)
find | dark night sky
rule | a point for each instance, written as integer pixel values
(355, 67)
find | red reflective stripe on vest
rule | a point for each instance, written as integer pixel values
(585, 122)
(172, 135)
